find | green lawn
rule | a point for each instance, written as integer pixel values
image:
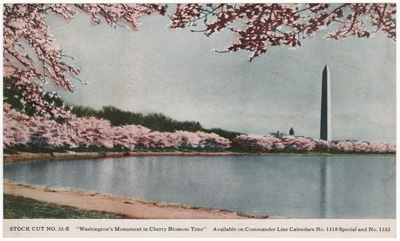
(23, 208)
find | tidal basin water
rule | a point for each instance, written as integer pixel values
(359, 186)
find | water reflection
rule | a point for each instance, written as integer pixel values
(324, 184)
(286, 186)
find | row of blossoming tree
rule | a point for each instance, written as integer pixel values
(21, 130)
(31, 54)
(301, 144)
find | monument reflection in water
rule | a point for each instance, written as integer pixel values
(324, 186)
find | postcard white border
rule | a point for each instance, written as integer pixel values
(73, 223)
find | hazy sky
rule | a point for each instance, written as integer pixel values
(174, 72)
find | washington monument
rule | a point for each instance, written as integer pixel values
(326, 133)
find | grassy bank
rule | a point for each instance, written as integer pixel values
(24, 208)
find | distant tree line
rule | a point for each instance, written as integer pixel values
(154, 121)
(116, 117)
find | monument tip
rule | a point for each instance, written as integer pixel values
(326, 68)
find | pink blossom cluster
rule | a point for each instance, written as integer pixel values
(301, 144)
(353, 25)
(20, 129)
(286, 24)
(123, 13)
(363, 147)
(184, 13)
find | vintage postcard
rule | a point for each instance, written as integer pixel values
(199, 120)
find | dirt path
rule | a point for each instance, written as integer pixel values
(131, 208)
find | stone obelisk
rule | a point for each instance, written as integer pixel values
(326, 133)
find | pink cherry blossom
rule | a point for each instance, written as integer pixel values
(301, 144)
(286, 24)
(19, 129)
(24, 26)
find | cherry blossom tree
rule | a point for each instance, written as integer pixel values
(286, 24)
(269, 143)
(31, 53)
(19, 129)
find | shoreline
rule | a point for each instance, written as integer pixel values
(128, 207)
(20, 157)
(9, 158)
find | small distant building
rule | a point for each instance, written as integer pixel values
(291, 131)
